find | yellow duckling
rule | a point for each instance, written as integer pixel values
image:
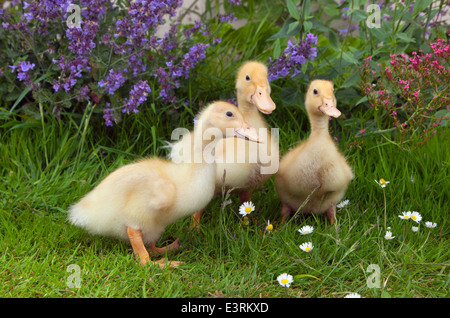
(244, 165)
(137, 201)
(314, 168)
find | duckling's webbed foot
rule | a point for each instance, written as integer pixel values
(153, 250)
(139, 249)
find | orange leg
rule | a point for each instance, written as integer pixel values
(331, 214)
(285, 212)
(139, 249)
(195, 220)
(153, 250)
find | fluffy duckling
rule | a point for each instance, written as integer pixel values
(248, 166)
(314, 168)
(137, 201)
(245, 165)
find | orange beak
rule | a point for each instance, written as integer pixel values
(263, 101)
(247, 132)
(328, 107)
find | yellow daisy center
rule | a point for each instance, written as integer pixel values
(307, 249)
(284, 281)
(248, 209)
(414, 217)
(382, 181)
(405, 216)
(270, 227)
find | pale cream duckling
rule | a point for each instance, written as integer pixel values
(315, 167)
(137, 201)
(247, 165)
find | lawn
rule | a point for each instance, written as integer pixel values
(76, 103)
(47, 168)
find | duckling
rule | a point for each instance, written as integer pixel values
(244, 165)
(137, 201)
(314, 168)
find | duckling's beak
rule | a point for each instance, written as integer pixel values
(247, 132)
(328, 107)
(263, 101)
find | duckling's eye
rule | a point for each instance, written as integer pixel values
(315, 92)
(229, 114)
(247, 78)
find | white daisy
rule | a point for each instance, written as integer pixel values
(415, 228)
(342, 204)
(285, 280)
(416, 217)
(382, 183)
(430, 224)
(388, 235)
(269, 226)
(405, 215)
(246, 208)
(306, 230)
(353, 295)
(307, 247)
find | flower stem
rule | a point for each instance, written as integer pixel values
(385, 211)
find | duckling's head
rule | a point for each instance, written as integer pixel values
(253, 87)
(229, 120)
(320, 99)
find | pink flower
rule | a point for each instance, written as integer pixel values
(362, 131)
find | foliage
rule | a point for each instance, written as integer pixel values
(412, 92)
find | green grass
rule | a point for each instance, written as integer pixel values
(46, 167)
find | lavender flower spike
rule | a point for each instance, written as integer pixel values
(138, 95)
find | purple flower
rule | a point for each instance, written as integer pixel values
(196, 53)
(22, 71)
(227, 18)
(108, 115)
(293, 57)
(82, 38)
(114, 81)
(138, 95)
(83, 93)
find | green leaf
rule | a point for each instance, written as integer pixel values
(283, 32)
(307, 25)
(351, 80)
(331, 9)
(405, 38)
(293, 26)
(420, 6)
(359, 15)
(293, 11)
(348, 57)
(334, 41)
(445, 115)
(306, 8)
(276, 49)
